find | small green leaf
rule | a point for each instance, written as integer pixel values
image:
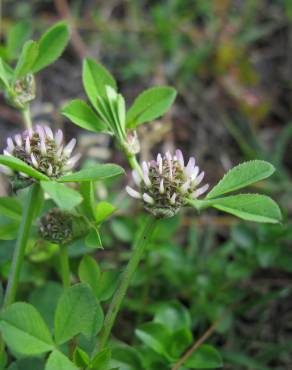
(180, 341)
(156, 336)
(101, 360)
(95, 79)
(17, 35)
(58, 361)
(75, 313)
(80, 113)
(27, 59)
(241, 176)
(65, 198)
(205, 357)
(173, 315)
(103, 210)
(80, 358)
(51, 45)
(89, 272)
(10, 207)
(24, 330)
(94, 173)
(149, 105)
(93, 239)
(250, 207)
(87, 191)
(126, 357)
(20, 166)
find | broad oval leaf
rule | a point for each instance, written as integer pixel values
(156, 336)
(94, 173)
(10, 207)
(51, 45)
(244, 174)
(77, 312)
(65, 198)
(80, 113)
(205, 357)
(95, 79)
(173, 315)
(250, 207)
(58, 361)
(20, 166)
(149, 105)
(24, 330)
(17, 35)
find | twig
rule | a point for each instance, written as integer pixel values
(200, 341)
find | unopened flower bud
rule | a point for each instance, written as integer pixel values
(61, 227)
(23, 92)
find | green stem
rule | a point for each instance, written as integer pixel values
(65, 269)
(26, 117)
(134, 164)
(126, 278)
(19, 252)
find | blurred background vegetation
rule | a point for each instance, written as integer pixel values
(231, 62)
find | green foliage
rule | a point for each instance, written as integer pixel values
(27, 59)
(65, 198)
(24, 330)
(10, 207)
(80, 113)
(205, 357)
(89, 272)
(103, 210)
(239, 177)
(17, 36)
(58, 361)
(94, 173)
(51, 45)
(151, 104)
(20, 166)
(250, 207)
(76, 312)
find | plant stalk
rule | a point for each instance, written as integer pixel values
(65, 269)
(26, 117)
(138, 250)
(22, 239)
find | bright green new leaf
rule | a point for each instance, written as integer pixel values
(80, 113)
(94, 173)
(58, 361)
(205, 357)
(89, 272)
(51, 45)
(101, 360)
(241, 176)
(80, 358)
(76, 312)
(149, 105)
(65, 198)
(20, 166)
(18, 34)
(95, 79)
(93, 239)
(24, 330)
(27, 59)
(156, 336)
(103, 210)
(10, 207)
(250, 207)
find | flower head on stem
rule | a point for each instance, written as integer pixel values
(166, 183)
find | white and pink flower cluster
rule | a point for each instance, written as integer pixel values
(164, 185)
(44, 150)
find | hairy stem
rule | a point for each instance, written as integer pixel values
(26, 117)
(19, 252)
(138, 250)
(65, 269)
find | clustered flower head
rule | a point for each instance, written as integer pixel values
(61, 227)
(42, 149)
(167, 183)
